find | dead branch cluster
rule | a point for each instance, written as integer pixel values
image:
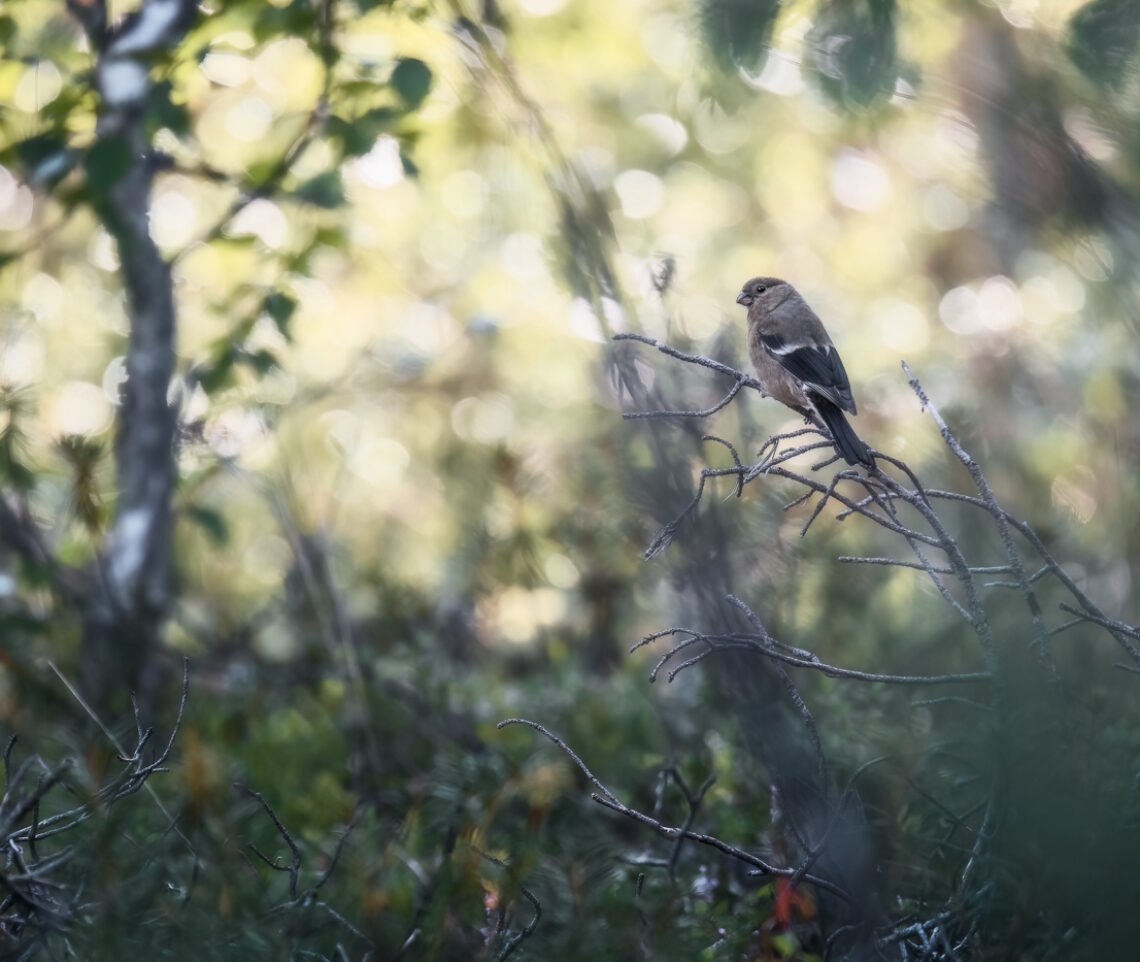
(891, 497)
(34, 901)
(880, 498)
(41, 901)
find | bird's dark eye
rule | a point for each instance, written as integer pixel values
(761, 289)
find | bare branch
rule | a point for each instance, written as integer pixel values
(809, 723)
(348, 829)
(607, 798)
(1118, 630)
(706, 412)
(528, 929)
(836, 817)
(700, 359)
(667, 533)
(134, 776)
(567, 750)
(765, 645)
(895, 562)
(694, 803)
(294, 868)
(1042, 644)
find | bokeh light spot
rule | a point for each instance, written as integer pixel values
(263, 219)
(959, 310)
(249, 119)
(381, 166)
(226, 69)
(560, 571)
(487, 419)
(640, 193)
(16, 205)
(22, 358)
(43, 296)
(173, 218)
(380, 461)
(669, 132)
(38, 87)
(999, 303)
(902, 326)
(78, 407)
(858, 182)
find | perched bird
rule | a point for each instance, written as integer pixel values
(796, 362)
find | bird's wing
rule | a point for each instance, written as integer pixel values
(817, 365)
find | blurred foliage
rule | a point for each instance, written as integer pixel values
(853, 51)
(399, 240)
(1104, 39)
(738, 32)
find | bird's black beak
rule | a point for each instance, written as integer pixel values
(744, 298)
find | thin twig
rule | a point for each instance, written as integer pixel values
(779, 651)
(740, 377)
(817, 849)
(1042, 645)
(528, 930)
(607, 798)
(694, 803)
(294, 868)
(704, 413)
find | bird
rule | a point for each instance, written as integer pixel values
(796, 362)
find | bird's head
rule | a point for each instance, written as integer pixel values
(768, 292)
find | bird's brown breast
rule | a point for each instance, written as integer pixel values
(777, 382)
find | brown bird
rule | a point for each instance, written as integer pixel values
(796, 362)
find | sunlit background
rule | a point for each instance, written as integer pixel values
(432, 313)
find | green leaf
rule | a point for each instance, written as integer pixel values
(58, 114)
(219, 374)
(343, 131)
(35, 150)
(412, 81)
(211, 522)
(258, 173)
(359, 91)
(325, 190)
(162, 111)
(261, 361)
(104, 164)
(357, 136)
(280, 307)
(298, 19)
(333, 237)
(326, 236)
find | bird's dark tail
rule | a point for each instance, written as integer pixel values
(847, 442)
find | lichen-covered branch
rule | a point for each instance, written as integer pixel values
(129, 595)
